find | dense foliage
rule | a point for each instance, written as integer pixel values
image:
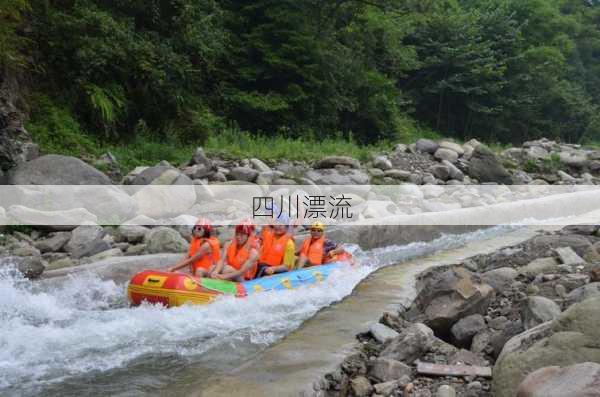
(499, 70)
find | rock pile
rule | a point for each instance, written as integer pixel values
(524, 320)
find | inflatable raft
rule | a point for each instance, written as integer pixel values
(176, 289)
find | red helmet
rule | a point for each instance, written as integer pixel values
(246, 227)
(204, 224)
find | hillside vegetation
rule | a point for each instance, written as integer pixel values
(125, 72)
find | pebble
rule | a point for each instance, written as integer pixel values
(560, 290)
(533, 290)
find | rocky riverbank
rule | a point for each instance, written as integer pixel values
(424, 162)
(522, 321)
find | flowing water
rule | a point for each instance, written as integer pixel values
(79, 337)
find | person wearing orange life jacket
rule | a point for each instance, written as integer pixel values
(204, 251)
(316, 249)
(240, 256)
(277, 253)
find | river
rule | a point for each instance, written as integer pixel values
(79, 337)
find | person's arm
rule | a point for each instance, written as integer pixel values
(243, 269)
(221, 263)
(204, 249)
(337, 250)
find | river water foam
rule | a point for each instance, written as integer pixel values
(80, 336)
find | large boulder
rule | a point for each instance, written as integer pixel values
(446, 154)
(53, 243)
(449, 296)
(579, 244)
(332, 161)
(569, 339)
(164, 239)
(579, 380)
(200, 158)
(243, 174)
(539, 266)
(455, 147)
(131, 233)
(30, 266)
(53, 169)
(485, 167)
(426, 146)
(584, 292)
(338, 177)
(86, 240)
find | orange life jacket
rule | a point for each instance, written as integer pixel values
(342, 257)
(272, 254)
(207, 260)
(313, 250)
(237, 256)
(267, 236)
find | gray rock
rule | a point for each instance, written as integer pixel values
(61, 263)
(382, 333)
(200, 158)
(579, 244)
(53, 243)
(537, 310)
(382, 162)
(259, 165)
(387, 388)
(86, 240)
(537, 153)
(161, 175)
(398, 174)
(573, 159)
(361, 387)
(584, 292)
(23, 248)
(387, 369)
(539, 266)
(104, 255)
(31, 266)
(485, 167)
(54, 169)
(410, 345)
(338, 177)
(465, 329)
(452, 146)
(579, 380)
(164, 239)
(332, 161)
(571, 338)
(565, 177)
(568, 256)
(453, 171)
(440, 171)
(446, 154)
(131, 233)
(427, 146)
(197, 171)
(445, 391)
(500, 278)
(449, 296)
(243, 174)
(137, 249)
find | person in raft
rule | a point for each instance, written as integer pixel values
(277, 252)
(317, 250)
(241, 256)
(204, 251)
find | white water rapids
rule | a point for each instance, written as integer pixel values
(80, 337)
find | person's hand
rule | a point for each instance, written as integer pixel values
(269, 271)
(220, 276)
(171, 269)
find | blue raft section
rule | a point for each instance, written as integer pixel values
(292, 279)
